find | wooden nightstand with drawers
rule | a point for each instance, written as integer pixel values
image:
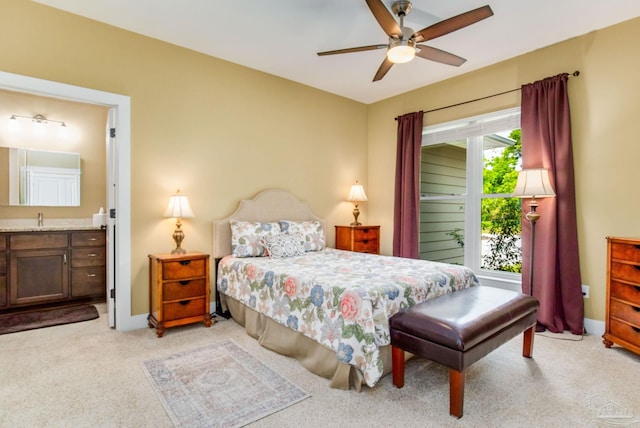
(623, 294)
(361, 239)
(178, 290)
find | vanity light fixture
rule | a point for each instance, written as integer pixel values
(39, 124)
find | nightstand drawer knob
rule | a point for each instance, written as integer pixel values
(185, 302)
(185, 282)
(185, 262)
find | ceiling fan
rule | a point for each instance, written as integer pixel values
(404, 43)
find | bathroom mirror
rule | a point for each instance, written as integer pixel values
(39, 178)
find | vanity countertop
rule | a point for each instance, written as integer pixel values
(46, 228)
(30, 225)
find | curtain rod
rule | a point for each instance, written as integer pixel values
(575, 74)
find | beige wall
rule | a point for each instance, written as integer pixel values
(217, 131)
(221, 132)
(605, 107)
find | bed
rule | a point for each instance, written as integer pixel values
(327, 308)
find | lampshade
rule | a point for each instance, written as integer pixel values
(533, 183)
(179, 207)
(357, 193)
(401, 53)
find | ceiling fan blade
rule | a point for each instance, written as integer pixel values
(384, 18)
(384, 68)
(438, 55)
(349, 50)
(452, 24)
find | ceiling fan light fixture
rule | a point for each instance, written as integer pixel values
(401, 53)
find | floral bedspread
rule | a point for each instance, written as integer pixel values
(340, 299)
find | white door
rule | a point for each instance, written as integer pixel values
(112, 151)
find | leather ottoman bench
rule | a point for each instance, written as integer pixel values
(458, 329)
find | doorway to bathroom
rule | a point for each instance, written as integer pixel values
(117, 146)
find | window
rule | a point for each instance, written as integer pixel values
(467, 215)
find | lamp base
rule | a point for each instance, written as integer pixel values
(356, 213)
(178, 237)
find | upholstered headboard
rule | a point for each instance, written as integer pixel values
(268, 205)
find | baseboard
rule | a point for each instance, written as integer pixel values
(594, 327)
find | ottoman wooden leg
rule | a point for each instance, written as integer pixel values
(456, 392)
(397, 366)
(527, 346)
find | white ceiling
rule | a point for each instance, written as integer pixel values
(282, 37)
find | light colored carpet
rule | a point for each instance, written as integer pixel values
(85, 375)
(220, 385)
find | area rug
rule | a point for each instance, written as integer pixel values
(21, 321)
(221, 385)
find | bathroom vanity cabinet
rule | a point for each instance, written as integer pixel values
(51, 267)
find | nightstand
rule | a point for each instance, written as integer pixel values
(362, 239)
(178, 290)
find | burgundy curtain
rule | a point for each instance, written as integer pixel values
(546, 143)
(407, 189)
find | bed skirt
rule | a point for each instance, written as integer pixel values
(313, 356)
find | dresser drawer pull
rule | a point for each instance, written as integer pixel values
(93, 239)
(185, 282)
(636, 329)
(637, 287)
(91, 255)
(365, 241)
(636, 267)
(91, 275)
(185, 302)
(185, 262)
(635, 308)
(637, 246)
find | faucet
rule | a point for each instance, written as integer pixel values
(40, 219)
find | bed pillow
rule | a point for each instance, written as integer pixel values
(311, 231)
(246, 237)
(284, 245)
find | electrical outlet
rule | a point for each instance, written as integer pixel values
(585, 291)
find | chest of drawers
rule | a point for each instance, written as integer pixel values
(361, 239)
(178, 290)
(623, 294)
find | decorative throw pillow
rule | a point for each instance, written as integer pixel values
(283, 245)
(311, 231)
(246, 237)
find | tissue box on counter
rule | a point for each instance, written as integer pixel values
(100, 219)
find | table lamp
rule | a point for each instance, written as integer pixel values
(178, 208)
(356, 195)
